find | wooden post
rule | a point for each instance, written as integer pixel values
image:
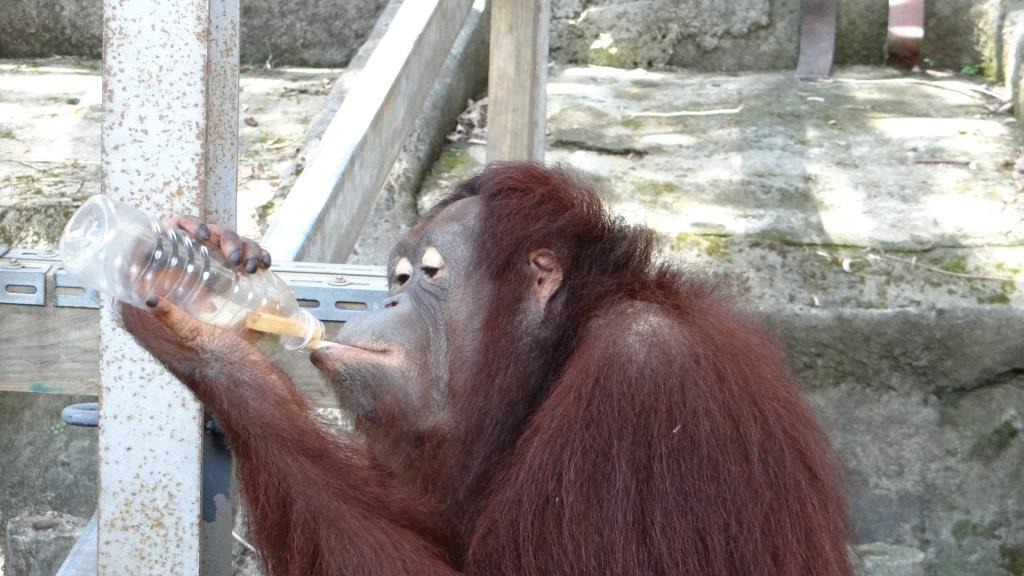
(517, 80)
(167, 67)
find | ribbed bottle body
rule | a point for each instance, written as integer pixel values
(130, 256)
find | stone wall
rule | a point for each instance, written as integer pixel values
(315, 33)
(46, 464)
(700, 34)
(757, 34)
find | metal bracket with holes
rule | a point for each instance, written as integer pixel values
(331, 292)
(23, 282)
(68, 293)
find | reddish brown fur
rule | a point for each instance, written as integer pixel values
(651, 431)
(647, 430)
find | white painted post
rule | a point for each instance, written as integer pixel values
(159, 151)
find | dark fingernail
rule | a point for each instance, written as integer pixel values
(235, 257)
(252, 264)
(152, 301)
(203, 232)
(266, 260)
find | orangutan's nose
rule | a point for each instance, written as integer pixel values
(390, 302)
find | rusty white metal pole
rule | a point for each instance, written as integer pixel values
(166, 72)
(216, 514)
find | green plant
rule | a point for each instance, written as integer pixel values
(973, 70)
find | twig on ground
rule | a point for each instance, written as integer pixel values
(678, 113)
(915, 263)
(942, 160)
(965, 88)
(27, 165)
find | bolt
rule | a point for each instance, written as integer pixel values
(338, 281)
(12, 264)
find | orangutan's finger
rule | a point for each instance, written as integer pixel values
(186, 328)
(195, 227)
(250, 255)
(231, 246)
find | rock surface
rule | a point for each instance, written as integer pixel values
(874, 222)
(50, 113)
(46, 464)
(325, 33)
(757, 34)
(37, 545)
(699, 34)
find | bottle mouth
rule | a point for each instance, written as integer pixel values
(313, 334)
(88, 231)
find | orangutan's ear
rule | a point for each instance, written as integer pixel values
(547, 274)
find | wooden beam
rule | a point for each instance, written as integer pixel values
(51, 350)
(332, 198)
(517, 81)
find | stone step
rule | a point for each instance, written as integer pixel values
(874, 218)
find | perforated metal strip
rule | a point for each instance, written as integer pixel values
(331, 292)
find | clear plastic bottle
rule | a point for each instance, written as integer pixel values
(124, 253)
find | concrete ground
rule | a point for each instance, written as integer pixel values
(874, 220)
(50, 116)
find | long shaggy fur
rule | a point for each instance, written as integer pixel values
(649, 429)
(641, 428)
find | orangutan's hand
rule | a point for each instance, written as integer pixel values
(192, 350)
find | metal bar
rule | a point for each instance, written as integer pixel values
(335, 283)
(154, 156)
(16, 253)
(906, 33)
(817, 39)
(54, 348)
(517, 80)
(217, 503)
(332, 198)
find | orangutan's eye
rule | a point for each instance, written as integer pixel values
(432, 264)
(403, 271)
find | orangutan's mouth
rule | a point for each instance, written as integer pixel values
(370, 347)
